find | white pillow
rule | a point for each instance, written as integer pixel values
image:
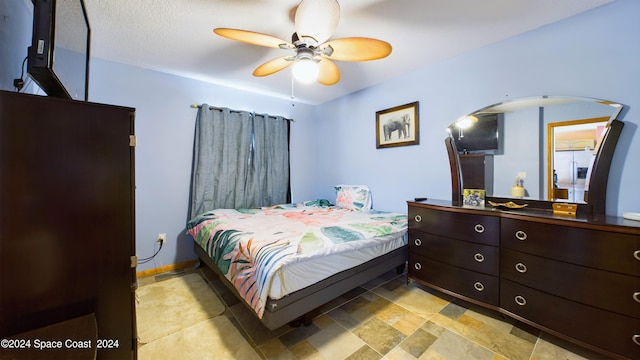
(353, 197)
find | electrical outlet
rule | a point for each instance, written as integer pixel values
(162, 238)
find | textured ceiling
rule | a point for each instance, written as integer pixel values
(175, 36)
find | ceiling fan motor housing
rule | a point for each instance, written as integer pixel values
(306, 53)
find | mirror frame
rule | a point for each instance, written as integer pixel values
(595, 203)
(551, 152)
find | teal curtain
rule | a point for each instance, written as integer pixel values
(240, 160)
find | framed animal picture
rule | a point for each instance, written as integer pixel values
(397, 126)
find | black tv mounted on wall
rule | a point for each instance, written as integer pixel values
(58, 58)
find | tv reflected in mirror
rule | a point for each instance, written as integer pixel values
(480, 133)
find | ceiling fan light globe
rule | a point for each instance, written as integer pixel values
(317, 19)
(305, 70)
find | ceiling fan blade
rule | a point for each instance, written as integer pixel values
(251, 37)
(273, 66)
(358, 49)
(317, 19)
(329, 73)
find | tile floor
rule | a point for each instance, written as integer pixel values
(390, 319)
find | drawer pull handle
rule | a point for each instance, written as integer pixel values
(636, 296)
(521, 235)
(479, 228)
(478, 286)
(417, 266)
(478, 257)
(521, 268)
(520, 300)
(418, 242)
(636, 254)
(636, 339)
(418, 218)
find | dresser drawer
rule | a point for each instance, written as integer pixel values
(599, 249)
(604, 289)
(481, 287)
(609, 331)
(464, 254)
(470, 227)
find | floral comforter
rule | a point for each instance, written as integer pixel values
(250, 245)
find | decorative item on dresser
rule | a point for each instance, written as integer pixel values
(575, 278)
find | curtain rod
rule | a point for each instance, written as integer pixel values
(212, 108)
(196, 106)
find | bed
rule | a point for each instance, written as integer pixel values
(286, 260)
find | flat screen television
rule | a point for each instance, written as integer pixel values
(484, 136)
(58, 58)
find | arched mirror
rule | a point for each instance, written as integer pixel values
(537, 150)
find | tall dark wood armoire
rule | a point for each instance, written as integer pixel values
(67, 221)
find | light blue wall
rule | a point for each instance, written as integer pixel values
(521, 154)
(15, 38)
(594, 54)
(164, 128)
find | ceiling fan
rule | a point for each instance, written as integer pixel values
(313, 52)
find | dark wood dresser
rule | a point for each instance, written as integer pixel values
(576, 278)
(67, 230)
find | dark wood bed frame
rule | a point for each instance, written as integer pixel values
(302, 302)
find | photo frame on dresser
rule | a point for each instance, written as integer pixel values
(398, 126)
(473, 197)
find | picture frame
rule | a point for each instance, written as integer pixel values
(473, 197)
(398, 126)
